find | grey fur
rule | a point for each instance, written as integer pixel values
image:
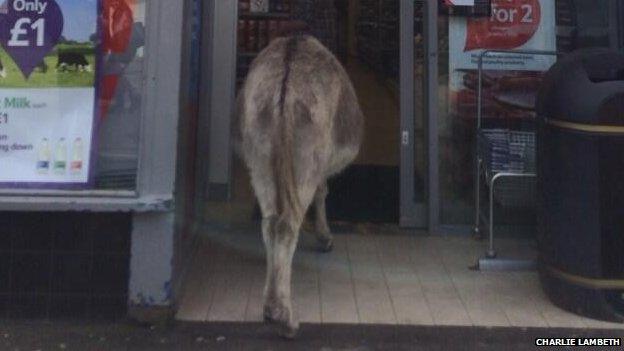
(298, 122)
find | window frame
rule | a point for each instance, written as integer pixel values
(157, 150)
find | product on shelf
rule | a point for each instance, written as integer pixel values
(242, 35)
(252, 35)
(259, 6)
(377, 33)
(260, 21)
(244, 6)
(263, 34)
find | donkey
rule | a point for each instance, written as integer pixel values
(298, 123)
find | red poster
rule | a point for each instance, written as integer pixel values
(117, 24)
(510, 81)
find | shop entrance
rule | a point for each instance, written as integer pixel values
(366, 37)
(375, 274)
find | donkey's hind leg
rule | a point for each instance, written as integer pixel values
(282, 235)
(323, 234)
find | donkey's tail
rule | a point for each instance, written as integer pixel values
(288, 204)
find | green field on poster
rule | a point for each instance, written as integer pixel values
(68, 77)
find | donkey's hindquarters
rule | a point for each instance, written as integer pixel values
(299, 122)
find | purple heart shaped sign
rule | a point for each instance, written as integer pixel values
(29, 30)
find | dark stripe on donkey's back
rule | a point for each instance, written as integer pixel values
(291, 50)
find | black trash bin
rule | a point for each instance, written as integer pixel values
(580, 162)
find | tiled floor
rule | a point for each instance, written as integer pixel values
(373, 277)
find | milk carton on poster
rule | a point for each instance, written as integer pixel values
(259, 6)
(77, 151)
(43, 162)
(60, 157)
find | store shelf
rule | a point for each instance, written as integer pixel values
(255, 31)
(377, 32)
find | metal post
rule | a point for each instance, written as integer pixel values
(432, 86)
(490, 252)
(203, 119)
(408, 216)
(477, 173)
(476, 230)
(150, 294)
(221, 99)
(150, 291)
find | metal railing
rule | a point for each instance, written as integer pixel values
(490, 261)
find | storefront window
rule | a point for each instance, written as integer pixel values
(71, 77)
(510, 83)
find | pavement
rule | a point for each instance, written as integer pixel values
(42, 336)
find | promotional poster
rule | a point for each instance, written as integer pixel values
(48, 81)
(510, 81)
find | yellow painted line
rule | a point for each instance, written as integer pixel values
(590, 128)
(592, 283)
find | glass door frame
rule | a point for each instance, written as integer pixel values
(413, 212)
(219, 47)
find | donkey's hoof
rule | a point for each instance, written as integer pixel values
(286, 327)
(276, 314)
(326, 245)
(288, 330)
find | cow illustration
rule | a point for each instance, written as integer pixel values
(68, 59)
(298, 123)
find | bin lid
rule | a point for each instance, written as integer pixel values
(586, 86)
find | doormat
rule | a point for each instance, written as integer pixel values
(257, 336)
